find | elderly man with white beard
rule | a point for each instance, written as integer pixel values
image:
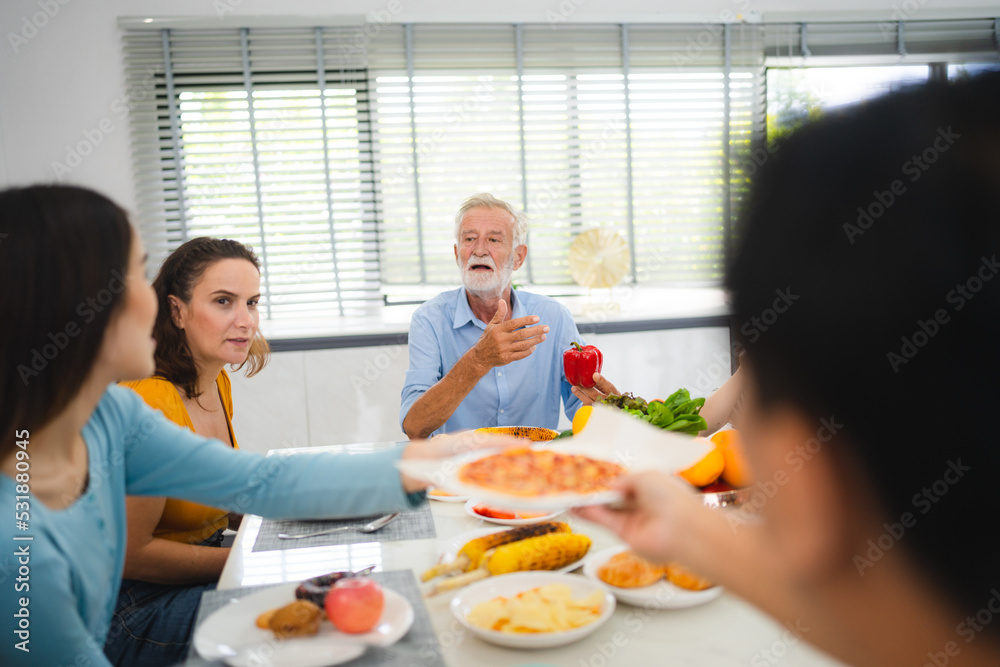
(485, 354)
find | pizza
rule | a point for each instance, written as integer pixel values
(522, 471)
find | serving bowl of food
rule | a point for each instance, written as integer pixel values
(720, 494)
(635, 581)
(533, 609)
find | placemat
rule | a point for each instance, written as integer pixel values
(418, 647)
(414, 524)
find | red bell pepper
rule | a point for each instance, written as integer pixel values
(580, 364)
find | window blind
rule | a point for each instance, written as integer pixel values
(264, 136)
(562, 124)
(341, 153)
(926, 41)
(454, 105)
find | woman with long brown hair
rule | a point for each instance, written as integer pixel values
(207, 292)
(78, 316)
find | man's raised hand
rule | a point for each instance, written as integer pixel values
(504, 342)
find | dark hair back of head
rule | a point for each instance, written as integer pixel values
(64, 252)
(882, 223)
(178, 276)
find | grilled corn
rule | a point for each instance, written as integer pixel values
(472, 553)
(545, 552)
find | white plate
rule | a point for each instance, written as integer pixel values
(611, 435)
(447, 499)
(470, 510)
(509, 585)
(231, 633)
(661, 595)
(455, 544)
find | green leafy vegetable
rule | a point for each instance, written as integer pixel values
(691, 425)
(690, 407)
(659, 414)
(678, 413)
(677, 399)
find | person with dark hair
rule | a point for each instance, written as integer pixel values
(207, 292)
(871, 400)
(73, 443)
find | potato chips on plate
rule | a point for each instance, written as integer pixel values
(533, 609)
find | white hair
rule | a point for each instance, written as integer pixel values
(518, 220)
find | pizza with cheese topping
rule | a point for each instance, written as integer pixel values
(522, 471)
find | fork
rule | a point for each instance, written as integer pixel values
(367, 528)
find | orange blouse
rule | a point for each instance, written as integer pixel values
(183, 521)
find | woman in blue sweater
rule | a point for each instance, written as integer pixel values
(77, 316)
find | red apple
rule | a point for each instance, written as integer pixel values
(355, 604)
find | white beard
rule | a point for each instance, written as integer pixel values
(487, 284)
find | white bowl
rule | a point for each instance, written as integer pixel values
(661, 595)
(509, 585)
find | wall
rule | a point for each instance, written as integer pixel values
(328, 397)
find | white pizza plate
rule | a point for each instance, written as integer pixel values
(610, 435)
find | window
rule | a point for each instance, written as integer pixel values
(963, 70)
(584, 127)
(795, 95)
(298, 167)
(342, 153)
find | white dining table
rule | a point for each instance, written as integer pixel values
(724, 632)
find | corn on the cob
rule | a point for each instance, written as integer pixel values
(534, 433)
(472, 553)
(476, 549)
(546, 552)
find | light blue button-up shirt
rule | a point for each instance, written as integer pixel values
(522, 393)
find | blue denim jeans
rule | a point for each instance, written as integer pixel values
(153, 623)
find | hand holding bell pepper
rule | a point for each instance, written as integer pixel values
(580, 364)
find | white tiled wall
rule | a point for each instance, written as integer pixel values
(326, 397)
(654, 364)
(269, 409)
